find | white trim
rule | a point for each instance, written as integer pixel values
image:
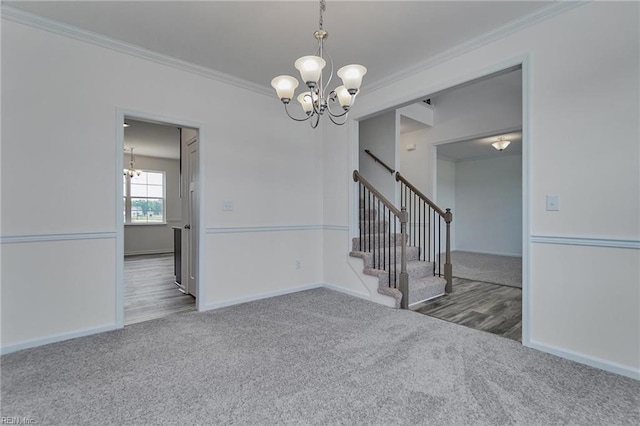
(586, 241)
(527, 158)
(72, 236)
(349, 292)
(477, 42)
(613, 367)
(55, 338)
(344, 228)
(267, 295)
(260, 296)
(66, 30)
(154, 118)
(488, 252)
(276, 228)
(156, 251)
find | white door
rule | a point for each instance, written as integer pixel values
(192, 217)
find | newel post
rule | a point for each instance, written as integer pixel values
(448, 270)
(404, 276)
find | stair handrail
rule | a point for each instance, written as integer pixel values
(377, 160)
(403, 217)
(400, 178)
(448, 217)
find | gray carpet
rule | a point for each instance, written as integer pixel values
(315, 357)
(488, 268)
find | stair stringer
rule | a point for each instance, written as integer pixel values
(388, 297)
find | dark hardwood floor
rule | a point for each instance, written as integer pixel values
(481, 306)
(150, 291)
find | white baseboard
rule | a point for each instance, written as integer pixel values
(158, 251)
(489, 252)
(612, 367)
(254, 297)
(346, 291)
(55, 338)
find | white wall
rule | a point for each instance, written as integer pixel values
(488, 200)
(575, 311)
(378, 135)
(145, 239)
(481, 108)
(59, 100)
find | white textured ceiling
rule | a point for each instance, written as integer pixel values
(151, 139)
(481, 147)
(258, 40)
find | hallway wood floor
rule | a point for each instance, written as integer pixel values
(481, 306)
(150, 291)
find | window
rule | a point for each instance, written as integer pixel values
(144, 198)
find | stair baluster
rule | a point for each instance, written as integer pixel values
(374, 209)
(437, 218)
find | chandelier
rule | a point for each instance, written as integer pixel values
(316, 102)
(131, 171)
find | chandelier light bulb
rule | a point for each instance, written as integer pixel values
(285, 86)
(351, 76)
(344, 97)
(305, 100)
(310, 68)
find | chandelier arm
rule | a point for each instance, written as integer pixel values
(331, 113)
(313, 126)
(316, 108)
(293, 118)
(337, 123)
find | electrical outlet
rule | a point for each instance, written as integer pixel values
(227, 206)
(553, 203)
(298, 264)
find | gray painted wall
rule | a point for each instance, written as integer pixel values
(378, 134)
(488, 205)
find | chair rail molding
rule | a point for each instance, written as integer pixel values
(588, 241)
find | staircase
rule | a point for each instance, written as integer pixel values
(371, 247)
(403, 260)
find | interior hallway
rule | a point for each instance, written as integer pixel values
(150, 289)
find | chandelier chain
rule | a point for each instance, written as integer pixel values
(323, 7)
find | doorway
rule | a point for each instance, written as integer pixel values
(489, 123)
(158, 238)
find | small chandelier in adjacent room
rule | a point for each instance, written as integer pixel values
(316, 102)
(131, 171)
(501, 144)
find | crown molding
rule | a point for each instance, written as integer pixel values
(39, 22)
(503, 31)
(36, 21)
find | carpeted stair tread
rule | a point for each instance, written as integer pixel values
(415, 269)
(376, 240)
(413, 253)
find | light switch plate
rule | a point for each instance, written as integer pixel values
(227, 206)
(553, 203)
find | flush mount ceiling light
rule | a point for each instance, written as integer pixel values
(316, 102)
(131, 171)
(501, 144)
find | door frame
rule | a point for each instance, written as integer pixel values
(430, 89)
(121, 113)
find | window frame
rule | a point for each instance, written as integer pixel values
(127, 200)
